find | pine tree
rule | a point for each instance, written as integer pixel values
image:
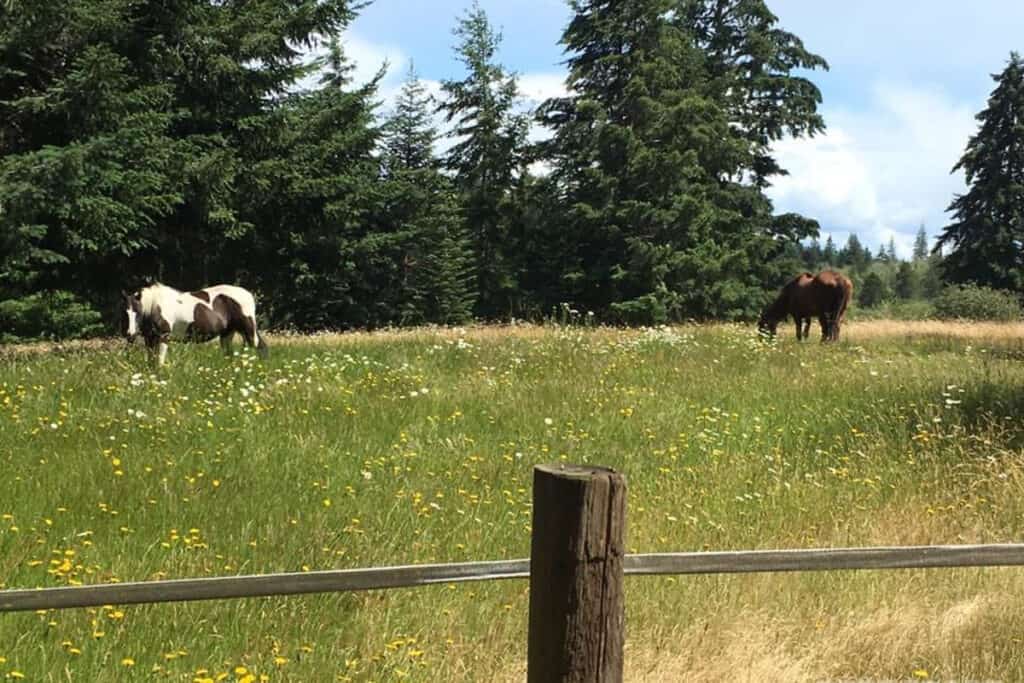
(987, 235)
(661, 150)
(873, 291)
(890, 252)
(123, 129)
(853, 254)
(829, 253)
(920, 245)
(435, 280)
(812, 255)
(311, 188)
(907, 283)
(488, 156)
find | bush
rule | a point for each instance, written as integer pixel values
(55, 316)
(974, 302)
(914, 309)
(872, 291)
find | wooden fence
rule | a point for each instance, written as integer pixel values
(576, 571)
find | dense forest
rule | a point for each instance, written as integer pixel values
(197, 141)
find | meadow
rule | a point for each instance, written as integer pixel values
(362, 450)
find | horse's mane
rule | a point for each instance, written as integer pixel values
(149, 297)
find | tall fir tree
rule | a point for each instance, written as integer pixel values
(487, 158)
(853, 254)
(812, 255)
(436, 278)
(907, 283)
(829, 254)
(920, 245)
(123, 126)
(986, 239)
(310, 187)
(661, 151)
(872, 291)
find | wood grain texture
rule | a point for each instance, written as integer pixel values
(736, 562)
(577, 607)
(831, 559)
(259, 586)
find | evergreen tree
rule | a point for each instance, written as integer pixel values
(661, 151)
(920, 245)
(931, 277)
(873, 291)
(883, 254)
(987, 235)
(123, 126)
(907, 283)
(829, 253)
(812, 255)
(488, 156)
(434, 259)
(890, 252)
(311, 187)
(853, 254)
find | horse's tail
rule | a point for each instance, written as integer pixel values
(844, 291)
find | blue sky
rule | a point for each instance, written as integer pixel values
(906, 79)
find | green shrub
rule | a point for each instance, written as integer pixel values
(872, 291)
(914, 309)
(56, 315)
(974, 302)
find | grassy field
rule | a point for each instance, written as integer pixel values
(392, 448)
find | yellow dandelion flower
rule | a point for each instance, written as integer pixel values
(127, 661)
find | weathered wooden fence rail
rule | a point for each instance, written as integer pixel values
(664, 564)
(576, 570)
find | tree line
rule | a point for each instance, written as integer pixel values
(196, 142)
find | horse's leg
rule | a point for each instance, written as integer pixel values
(225, 341)
(162, 353)
(249, 332)
(796, 319)
(807, 328)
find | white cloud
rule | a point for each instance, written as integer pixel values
(368, 57)
(538, 87)
(880, 171)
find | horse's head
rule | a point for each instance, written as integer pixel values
(131, 316)
(767, 324)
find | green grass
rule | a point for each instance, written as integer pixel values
(371, 450)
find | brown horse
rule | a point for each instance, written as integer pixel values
(824, 296)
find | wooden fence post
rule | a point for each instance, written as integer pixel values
(577, 612)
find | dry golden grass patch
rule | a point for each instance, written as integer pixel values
(891, 642)
(877, 329)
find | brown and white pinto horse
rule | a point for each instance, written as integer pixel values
(161, 313)
(824, 296)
